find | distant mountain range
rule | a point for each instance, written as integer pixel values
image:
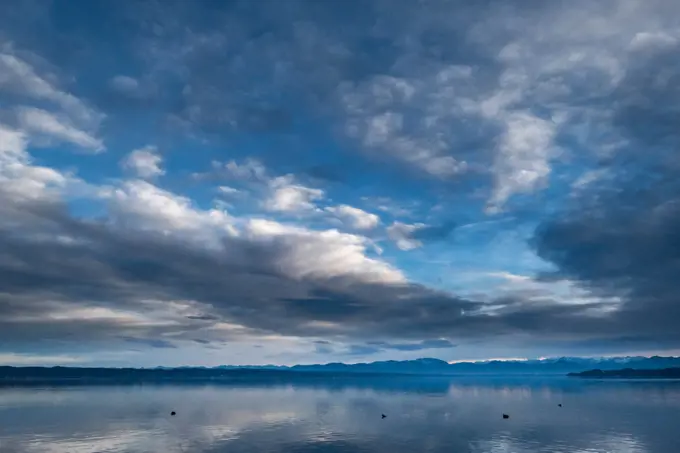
(629, 373)
(430, 367)
(559, 366)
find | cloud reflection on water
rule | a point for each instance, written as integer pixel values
(458, 415)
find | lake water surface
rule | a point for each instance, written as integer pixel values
(423, 415)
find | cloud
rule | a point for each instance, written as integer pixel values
(45, 124)
(159, 344)
(409, 237)
(643, 41)
(397, 93)
(20, 78)
(283, 193)
(362, 350)
(36, 360)
(325, 254)
(164, 269)
(255, 276)
(357, 218)
(203, 317)
(250, 169)
(588, 178)
(484, 113)
(228, 191)
(417, 346)
(522, 162)
(20, 180)
(458, 106)
(124, 85)
(619, 247)
(400, 208)
(45, 114)
(287, 196)
(142, 206)
(375, 111)
(618, 237)
(324, 347)
(402, 235)
(144, 162)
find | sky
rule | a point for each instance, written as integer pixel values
(240, 182)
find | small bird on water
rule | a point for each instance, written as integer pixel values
(560, 405)
(172, 413)
(506, 416)
(384, 416)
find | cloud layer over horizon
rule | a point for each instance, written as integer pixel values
(204, 183)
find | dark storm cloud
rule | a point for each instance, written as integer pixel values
(646, 101)
(624, 244)
(622, 237)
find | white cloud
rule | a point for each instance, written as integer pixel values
(515, 278)
(45, 124)
(522, 160)
(20, 180)
(357, 218)
(582, 55)
(302, 253)
(141, 205)
(71, 311)
(226, 190)
(288, 196)
(144, 162)
(250, 169)
(396, 208)
(402, 235)
(589, 177)
(11, 359)
(322, 254)
(280, 193)
(19, 77)
(12, 146)
(409, 119)
(563, 291)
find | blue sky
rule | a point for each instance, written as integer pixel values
(291, 182)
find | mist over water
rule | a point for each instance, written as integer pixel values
(423, 415)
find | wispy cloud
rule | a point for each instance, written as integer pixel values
(47, 125)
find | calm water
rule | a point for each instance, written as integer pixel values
(423, 416)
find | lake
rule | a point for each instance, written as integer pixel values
(423, 415)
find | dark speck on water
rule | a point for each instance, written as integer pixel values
(172, 413)
(384, 416)
(506, 416)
